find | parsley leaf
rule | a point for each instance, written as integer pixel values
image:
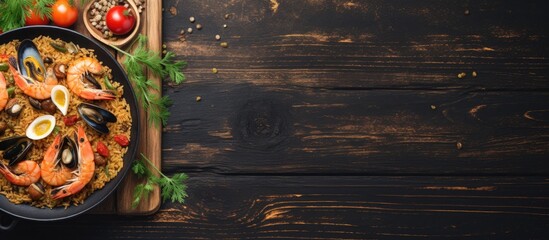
(173, 188)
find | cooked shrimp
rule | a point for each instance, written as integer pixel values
(53, 173)
(32, 87)
(75, 80)
(3, 92)
(24, 173)
(86, 167)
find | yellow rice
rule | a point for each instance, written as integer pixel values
(17, 127)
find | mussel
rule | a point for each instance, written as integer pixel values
(92, 80)
(68, 154)
(15, 148)
(29, 61)
(96, 117)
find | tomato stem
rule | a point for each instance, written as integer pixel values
(127, 13)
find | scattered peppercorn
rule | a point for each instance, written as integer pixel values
(217, 37)
(198, 98)
(462, 75)
(224, 25)
(433, 107)
(191, 19)
(190, 30)
(459, 145)
(474, 74)
(198, 26)
(227, 16)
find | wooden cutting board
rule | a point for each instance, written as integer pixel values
(150, 142)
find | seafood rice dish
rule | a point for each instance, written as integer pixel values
(64, 125)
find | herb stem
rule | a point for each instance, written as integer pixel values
(152, 165)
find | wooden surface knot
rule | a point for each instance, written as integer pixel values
(262, 124)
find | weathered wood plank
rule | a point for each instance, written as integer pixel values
(330, 207)
(347, 86)
(364, 44)
(250, 129)
(150, 139)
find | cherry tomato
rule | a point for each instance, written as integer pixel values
(34, 19)
(102, 149)
(122, 140)
(120, 20)
(63, 13)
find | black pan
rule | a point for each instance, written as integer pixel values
(23, 211)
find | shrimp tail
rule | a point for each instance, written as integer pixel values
(97, 94)
(7, 173)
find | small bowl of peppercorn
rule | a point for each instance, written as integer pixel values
(113, 22)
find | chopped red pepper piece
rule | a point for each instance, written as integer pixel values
(122, 140)
(102, 149)
(70, 120)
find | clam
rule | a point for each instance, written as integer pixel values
(60, 70)
(36, 191)
(13, 107)
(68, 154)
(96, 117)
(29, 61)
(15, 148)
(46, 105)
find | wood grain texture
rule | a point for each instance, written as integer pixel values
(362, 87)
(365, 44)
(320, 207)
(341, 119)
(361, 132)
(151, 136)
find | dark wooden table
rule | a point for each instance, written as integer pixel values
(346, 119)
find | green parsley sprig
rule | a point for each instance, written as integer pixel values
(142, 58)
(14, 12)
(172, 188)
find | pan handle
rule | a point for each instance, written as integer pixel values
(7, 222)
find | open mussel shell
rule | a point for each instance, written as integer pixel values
(96, 117)
(68, 154)
(15, 148)
(29, 61)
(91, 79)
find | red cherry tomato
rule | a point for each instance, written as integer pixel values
(120, 20)
(34, 19)
(63, 13)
